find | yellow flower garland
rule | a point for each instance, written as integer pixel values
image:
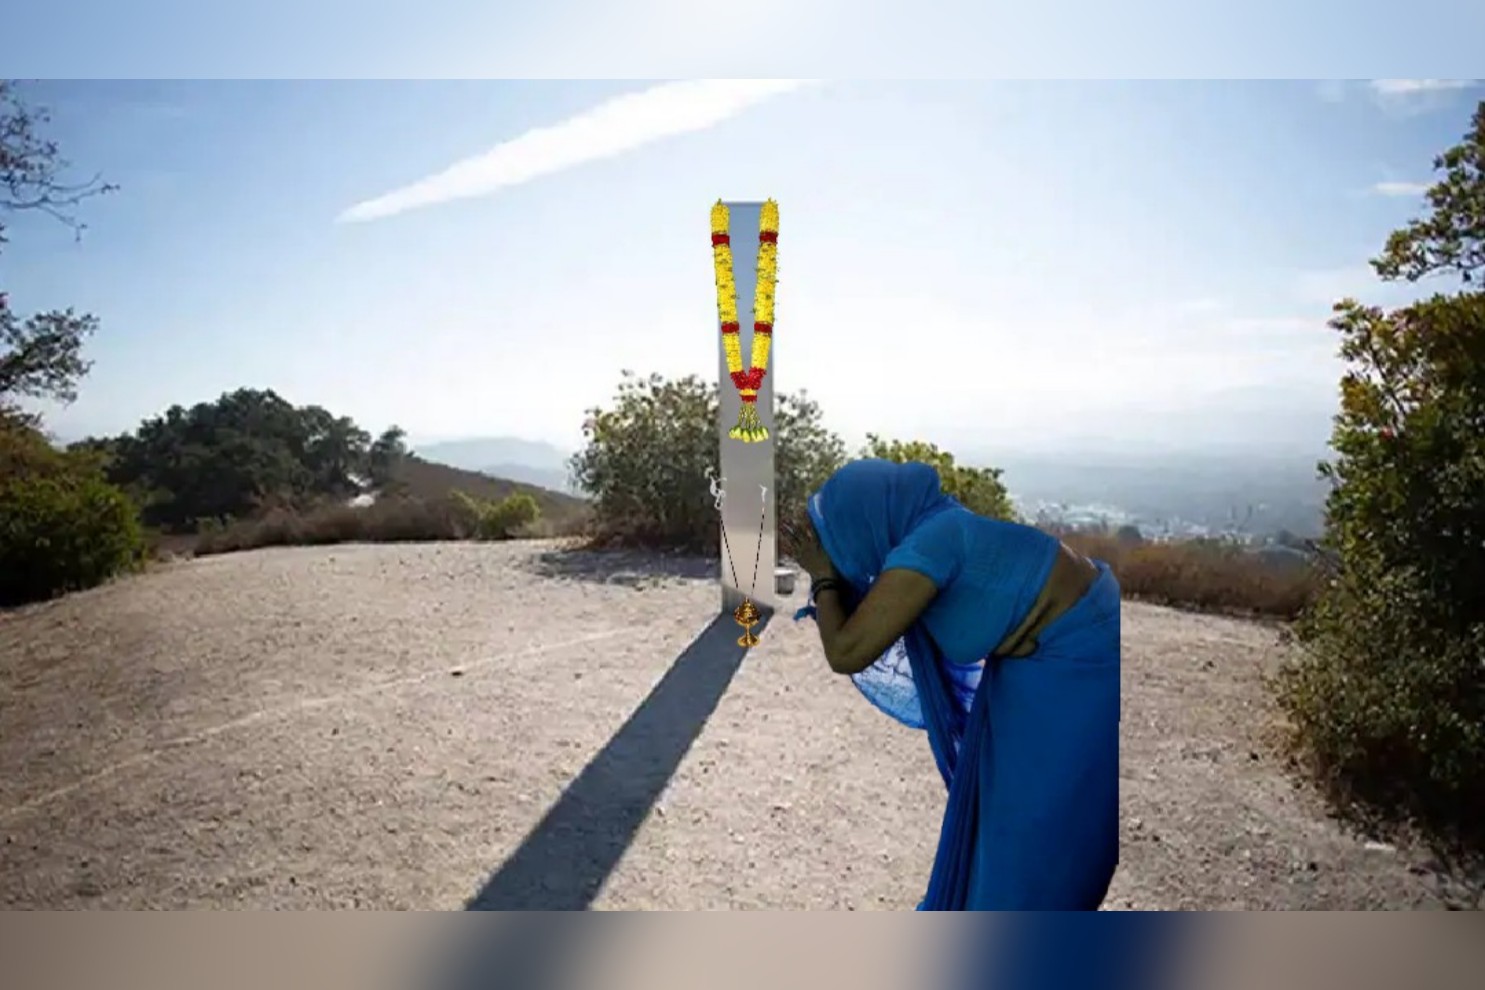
(749, 428)
(726, 287)
(768, 277)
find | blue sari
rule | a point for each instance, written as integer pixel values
(1027, 747)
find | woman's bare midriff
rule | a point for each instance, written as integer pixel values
(1071, 577)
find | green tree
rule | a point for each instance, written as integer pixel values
(386, 456)
(62, 526)
(1451, 238)
(1388, 697)
(977, 489)
(41, 354)
(646, 458)
(248, 451)
(334, 451)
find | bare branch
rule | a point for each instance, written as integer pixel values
(31, 167)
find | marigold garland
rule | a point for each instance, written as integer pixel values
(749, 428)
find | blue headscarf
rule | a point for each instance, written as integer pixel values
(869, 507)
(861, 514)
(864, 512)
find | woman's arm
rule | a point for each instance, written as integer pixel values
(854, 642)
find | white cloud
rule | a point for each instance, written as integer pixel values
(1407, 96)
(1400, 188)
(1415, 87)
(1410, 97)
(609, 129)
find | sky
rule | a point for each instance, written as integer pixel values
(1009, 266)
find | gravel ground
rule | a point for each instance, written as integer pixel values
(515, 725)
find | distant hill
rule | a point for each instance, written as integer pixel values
(530, 461)
(425, 479)
(551, 479)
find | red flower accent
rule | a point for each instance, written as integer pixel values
(751, 378)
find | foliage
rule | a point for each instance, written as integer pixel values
(491, 520)
(977, 489)
(42, 353)
(32, 167)
(646, 459)
(806, 453)
(244, 453)
(42, 356)
(1388, 699)
(1451, 238)
(62, 526)
(385, 458)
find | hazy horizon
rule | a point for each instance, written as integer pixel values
(1270, 489)
(1036, 267)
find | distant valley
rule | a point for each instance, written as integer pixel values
(1180, 494)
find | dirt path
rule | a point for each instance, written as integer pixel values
(514, 726)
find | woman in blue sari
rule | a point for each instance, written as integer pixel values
(1003, 644)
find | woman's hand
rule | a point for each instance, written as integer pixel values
(801, 543)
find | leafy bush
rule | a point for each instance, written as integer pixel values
(1387, 699)
(977, 489)
(646, 459)
(489, 520)
(1386, 711)
(62, 526)
(509, 517)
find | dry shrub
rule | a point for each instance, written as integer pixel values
(393, 520)
(404, 519)
(1203, 575)
(546, 528)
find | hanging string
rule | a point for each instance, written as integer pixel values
(732, 563)
(763, 513)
